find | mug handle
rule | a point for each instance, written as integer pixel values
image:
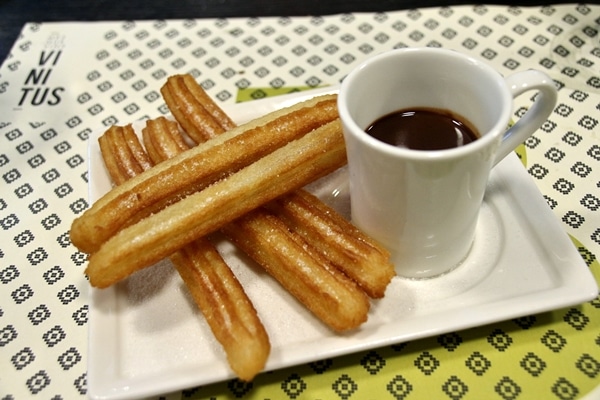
(535, 117)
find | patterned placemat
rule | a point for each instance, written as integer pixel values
(63, 80)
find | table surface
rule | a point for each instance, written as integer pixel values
(64, 80)
(15, 13)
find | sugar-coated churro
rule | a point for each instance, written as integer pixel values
(229, 312)
(296, 164)
(195, 111)
(165, 141)
(111, 163)
(193, 170)
(123, 154)
(344, 245)
(326, 292)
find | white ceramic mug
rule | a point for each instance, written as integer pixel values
(424, 205)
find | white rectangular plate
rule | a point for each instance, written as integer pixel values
(147, 337)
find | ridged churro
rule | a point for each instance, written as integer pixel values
(326, 292)
(228, 311)
(195, 111)
(194, 170)
(123, 153)
(329, 294)
(298, 163)
(171, 141)
(344, 245)
(218, 294)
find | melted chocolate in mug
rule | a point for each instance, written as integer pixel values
(423, 129)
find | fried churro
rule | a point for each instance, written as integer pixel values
(330, 295)
(218, 294)
(123, 154)
(165, 141)
(228, 310)
(301, 161)
(344, 245)
(194, 170)
(195, 111)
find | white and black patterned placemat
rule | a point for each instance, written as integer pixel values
(63, 80)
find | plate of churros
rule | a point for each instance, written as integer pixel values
(220, 247)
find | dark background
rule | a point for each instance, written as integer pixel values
(14, 13)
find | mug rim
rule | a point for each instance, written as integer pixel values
(491, 135)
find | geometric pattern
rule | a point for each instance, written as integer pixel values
(63, 80)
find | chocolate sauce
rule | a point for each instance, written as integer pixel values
(423, 129)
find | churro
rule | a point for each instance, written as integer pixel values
(165, 141)
(218, 294)
(228, 310)
(123, 154)
(344, 245)
(296, 164)
(195, 111)
(110, 161)
(197, 168)
(326, 292)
